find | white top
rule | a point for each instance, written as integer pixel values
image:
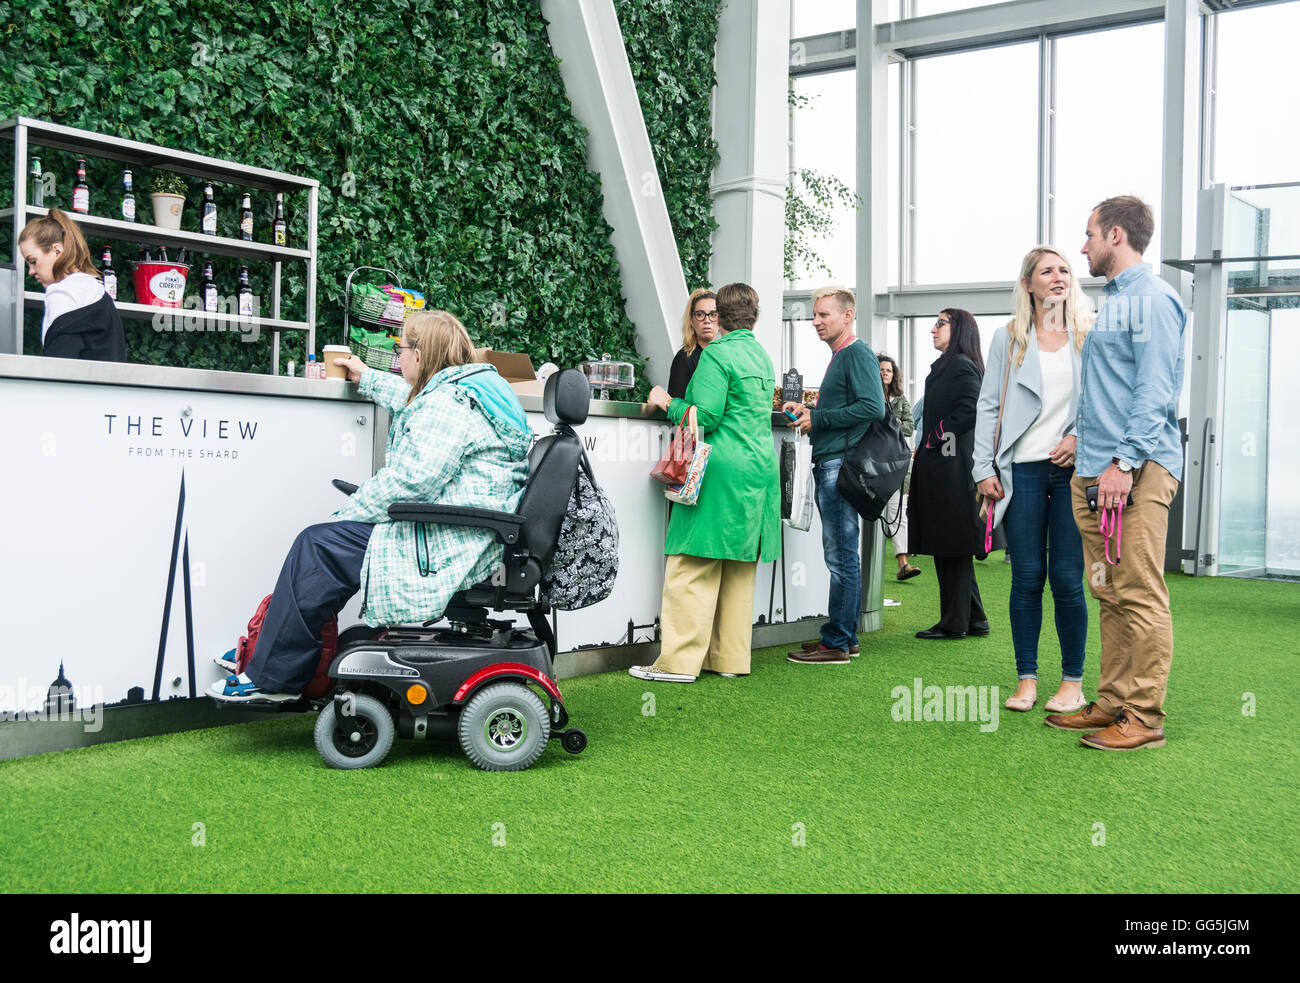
(1038, 442)
(73, 291)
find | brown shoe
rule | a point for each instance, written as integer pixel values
(815, 644)
(1125, 734)
(820, 657)
(1089, 718)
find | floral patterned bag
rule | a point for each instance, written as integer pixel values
(585, 563)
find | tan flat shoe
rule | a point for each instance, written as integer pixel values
(1061, 706)
(1021, 703)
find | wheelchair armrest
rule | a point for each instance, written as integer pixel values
(346, 487)
(505, 524)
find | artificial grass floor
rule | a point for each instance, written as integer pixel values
(715, 789)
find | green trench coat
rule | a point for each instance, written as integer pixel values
(739, 508)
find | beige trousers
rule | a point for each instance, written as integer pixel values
(1137, 633)
(708, 615)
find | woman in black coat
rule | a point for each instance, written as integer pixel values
(699, 327)
(942, 514)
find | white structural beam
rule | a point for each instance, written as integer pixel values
(1180, 164)
(1006, 23)
(750, 124)
(586, 37)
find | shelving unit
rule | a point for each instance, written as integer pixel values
(27, 133)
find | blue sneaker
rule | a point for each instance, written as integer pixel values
(227, 662)
(241, 689)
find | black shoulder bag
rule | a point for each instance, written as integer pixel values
(875, 469)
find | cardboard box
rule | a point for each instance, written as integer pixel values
(516, 368)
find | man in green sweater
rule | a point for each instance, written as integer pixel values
(850, 399)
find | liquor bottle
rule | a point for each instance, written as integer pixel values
(81, 190)
(280, 227)
(209, 222)
(107, 271)
(180, 256)
(162, 255)
(36, 189)
(245, 294)
(208, 290)
(148, 255)
(246, 220)
(128, 198)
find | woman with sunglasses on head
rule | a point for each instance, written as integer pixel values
(896, 509)
(941, 506)
(81, 320)
(1036, 358)
(699, 327)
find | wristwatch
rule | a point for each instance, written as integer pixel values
(1124, 466)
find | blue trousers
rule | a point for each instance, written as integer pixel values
(1045, 545)
(840, 544)
(320, 574)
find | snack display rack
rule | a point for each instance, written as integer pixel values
(27, 133)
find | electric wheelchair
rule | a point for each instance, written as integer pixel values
(485, 681)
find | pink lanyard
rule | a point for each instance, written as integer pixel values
(988, 530)
(1115, 527)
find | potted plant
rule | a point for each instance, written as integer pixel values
(168, 195)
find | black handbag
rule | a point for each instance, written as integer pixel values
(875, 469)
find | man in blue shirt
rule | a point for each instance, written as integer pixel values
(1130, 447)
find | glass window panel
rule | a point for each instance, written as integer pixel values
(924, 7)
(824, 16)
(1257, 121)
(976, 163)
(927, 354)
(824, 141)
(1096, 159)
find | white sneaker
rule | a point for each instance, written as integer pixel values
(658, 675)
(891, 603)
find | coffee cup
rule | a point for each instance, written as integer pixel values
(332, 352)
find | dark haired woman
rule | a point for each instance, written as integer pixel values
(81, 320)
(699, 326)
(714, 546)
(896, 510)
(942, 509)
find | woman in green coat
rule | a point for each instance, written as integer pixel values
(714, 547)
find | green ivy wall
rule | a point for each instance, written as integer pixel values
(440, 132)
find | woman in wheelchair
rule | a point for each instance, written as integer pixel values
(458, 437)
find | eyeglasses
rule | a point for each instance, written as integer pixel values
(403, 348)
(941, 323)
(705, 315)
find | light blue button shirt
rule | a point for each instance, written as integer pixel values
(1131, 377)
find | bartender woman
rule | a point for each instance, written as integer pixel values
(81, 320)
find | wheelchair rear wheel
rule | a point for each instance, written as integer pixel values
(505, 727)
(358, 740)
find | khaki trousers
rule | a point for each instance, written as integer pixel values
(708, 615)
(1137, 635)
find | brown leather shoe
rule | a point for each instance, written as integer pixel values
(1125, 734)
(815, 644)
(821, 657)
(1089, 718)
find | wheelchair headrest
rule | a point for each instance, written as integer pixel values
(567, 397)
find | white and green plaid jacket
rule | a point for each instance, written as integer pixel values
(442, 448)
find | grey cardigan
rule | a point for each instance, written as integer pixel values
(1024, 403)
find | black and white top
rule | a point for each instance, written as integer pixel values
(81, 321)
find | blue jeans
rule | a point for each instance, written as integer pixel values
(840, 544)
(1040, 512)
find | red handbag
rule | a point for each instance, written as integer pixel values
(673, 466)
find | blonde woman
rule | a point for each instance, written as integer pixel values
(81, 320)
(458, 437)
(1038, 356)
(699, 327)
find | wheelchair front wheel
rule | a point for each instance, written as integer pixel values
(505, 727)
(361, 739)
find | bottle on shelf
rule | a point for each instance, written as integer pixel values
(128, 197)
(35, 184)
(246, 220)
(81, 190)
(209, 221)
(208, 290)
(279, 226)
(162, 255)
(313, 369)
(245, 294)
(180, 256)
(108, 273)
